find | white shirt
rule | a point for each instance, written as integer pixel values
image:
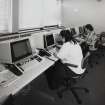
(71, 53)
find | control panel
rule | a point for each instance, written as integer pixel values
(30, 62)
(35, 57)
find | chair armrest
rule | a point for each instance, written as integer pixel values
(85, 60)
(72, 65)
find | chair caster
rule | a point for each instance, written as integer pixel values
(79, 102)
(96, 62)
(59, 94)
(86, 90)
(91, 65)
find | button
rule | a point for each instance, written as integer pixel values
(18, 64)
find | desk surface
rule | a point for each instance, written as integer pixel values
(26, 78)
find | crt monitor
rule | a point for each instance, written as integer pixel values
(81, 30)
(73, 31)
(12, 51)
(49, 40)
(20, 49)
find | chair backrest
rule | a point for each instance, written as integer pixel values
(102, 37)
(85, 61)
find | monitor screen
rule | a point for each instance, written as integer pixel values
(85, 32)
(20, 49)
(49, 40)
(81, 30)
(73, 31)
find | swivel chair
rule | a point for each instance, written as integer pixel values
(101, 43)
(95, 54)
(68, 82)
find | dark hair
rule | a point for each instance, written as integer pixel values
(68, 36)
(102, 34)
(89, 27)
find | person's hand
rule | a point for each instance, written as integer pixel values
(54, 54)
(58, 46)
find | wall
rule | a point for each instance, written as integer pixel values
(81, 12)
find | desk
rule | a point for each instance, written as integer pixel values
(26, 78)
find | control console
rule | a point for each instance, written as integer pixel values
(35, 57)
(29, 62)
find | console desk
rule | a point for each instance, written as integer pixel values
(25, 78)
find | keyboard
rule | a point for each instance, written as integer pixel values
(30, 63)
(43, 52)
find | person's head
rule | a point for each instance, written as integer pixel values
(67, 36)
(89, 28)
(102, 37)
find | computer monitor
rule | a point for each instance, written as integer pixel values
(20, 49)
(73, 31)
(84, 29)
(81, 30)
(13, 51)
(49, 41)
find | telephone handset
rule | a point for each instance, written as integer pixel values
(14, 69)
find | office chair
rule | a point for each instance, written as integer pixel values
(101, 43)
(96, 54)
(68, 81)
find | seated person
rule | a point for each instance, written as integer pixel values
(91, 37)
(89, 40)
(70, 53)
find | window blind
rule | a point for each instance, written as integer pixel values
(38, 13)
(5, 6)
(30, 13)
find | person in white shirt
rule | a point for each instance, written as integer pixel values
(70, 53)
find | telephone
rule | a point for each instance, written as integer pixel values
(14, 69)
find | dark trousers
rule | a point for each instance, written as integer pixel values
(85, 48)
(57, 73)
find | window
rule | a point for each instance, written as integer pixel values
(5, 10)
(51, 12)
(26, 14)
(38, 13)
(30, 13)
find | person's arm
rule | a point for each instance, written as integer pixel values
(86, 56)
(71, 65)
(58, 46)
(55, 55)
(80, 40)
(67, 64)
